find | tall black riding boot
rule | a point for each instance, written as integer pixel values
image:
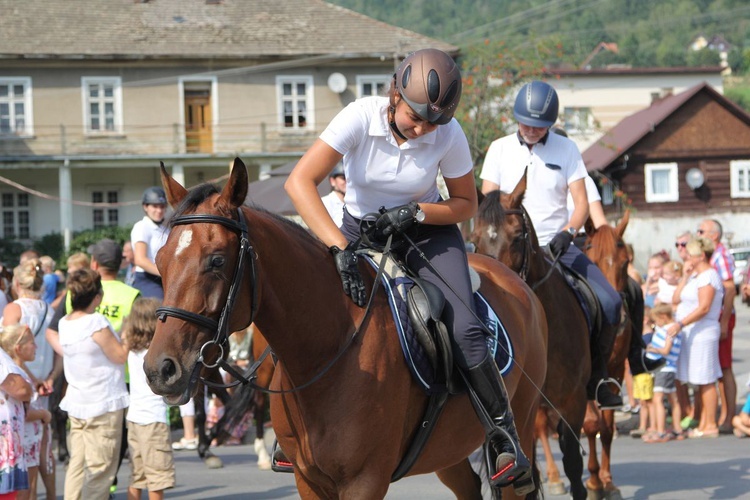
(598, 388)
(511, 465)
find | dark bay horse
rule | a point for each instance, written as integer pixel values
(503, 230)
(352, 405)
(606, 248)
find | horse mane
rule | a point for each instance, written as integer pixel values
(490, 210)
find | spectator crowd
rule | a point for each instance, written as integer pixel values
(689, 320)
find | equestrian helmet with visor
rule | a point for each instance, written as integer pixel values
(430, 82)
(536, 105)
(154, 196)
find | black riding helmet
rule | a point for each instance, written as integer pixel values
(536, 105)
(430, 82)
(154, 196)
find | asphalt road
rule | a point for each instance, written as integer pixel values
(690, 469)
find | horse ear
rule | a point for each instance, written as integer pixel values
(623, 224)
(235, 191)
(589, 226)
(516, 197)
(173, 189)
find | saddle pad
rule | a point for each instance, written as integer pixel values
(397, 285)
(572, 281)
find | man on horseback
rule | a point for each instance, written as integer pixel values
(555, 168)
(393, 148)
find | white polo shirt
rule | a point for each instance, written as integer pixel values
(150, 233)
(592, 193)
(378, 171)
(552, 167)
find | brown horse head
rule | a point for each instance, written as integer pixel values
(606, 248)
(501, 227)
(197, 264)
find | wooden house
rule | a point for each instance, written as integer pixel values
(683, 159)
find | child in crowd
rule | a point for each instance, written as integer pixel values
(662, 345)
(14, 391)
(151, 458)
(51, 279)
(643, 387)
(671, 274)
(18, 341)
(653, 274)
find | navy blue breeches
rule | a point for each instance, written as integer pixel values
(610, 300)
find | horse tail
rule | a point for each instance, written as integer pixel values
(235, 411)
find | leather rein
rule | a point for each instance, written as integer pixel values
(221, 335)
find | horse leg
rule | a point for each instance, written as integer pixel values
(462, 481)
(204, 441)
(591, 425)
(259, 412)
(611, 492)
(541, 428)
(572, 461)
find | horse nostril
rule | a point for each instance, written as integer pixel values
(168, 369)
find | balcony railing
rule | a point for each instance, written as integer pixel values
(150, 139)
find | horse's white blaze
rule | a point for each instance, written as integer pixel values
(185, 239)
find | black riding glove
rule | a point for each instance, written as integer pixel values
(346, 264)
(396, 220)
(560, 243)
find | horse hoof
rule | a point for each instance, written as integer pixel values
(556, 489)
(213, 462)
(613, 495)
(594, 494)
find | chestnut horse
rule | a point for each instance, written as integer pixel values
(503, 230)
(350, 407)
(606, 248)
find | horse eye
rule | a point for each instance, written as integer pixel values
(217, 261)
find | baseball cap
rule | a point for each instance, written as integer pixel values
(107, 253)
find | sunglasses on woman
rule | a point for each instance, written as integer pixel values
(679, 244)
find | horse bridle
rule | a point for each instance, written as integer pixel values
(221, 327)
(527, 251)
(526, 237)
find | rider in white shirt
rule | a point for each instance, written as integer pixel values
(554, 168)
(334, 201)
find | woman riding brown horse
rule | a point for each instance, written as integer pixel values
(503, 230)
(352, 406)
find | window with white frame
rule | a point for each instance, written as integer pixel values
(105, 216)
(661, 182)
(102, 104)
(295, 101)
(15, 107)
(739, 178)
(578, 120)
(16, 211)
(368, 85)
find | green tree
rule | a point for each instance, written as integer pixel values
(703, 57)
(491, 76)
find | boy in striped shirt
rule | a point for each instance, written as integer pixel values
(662, 345)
